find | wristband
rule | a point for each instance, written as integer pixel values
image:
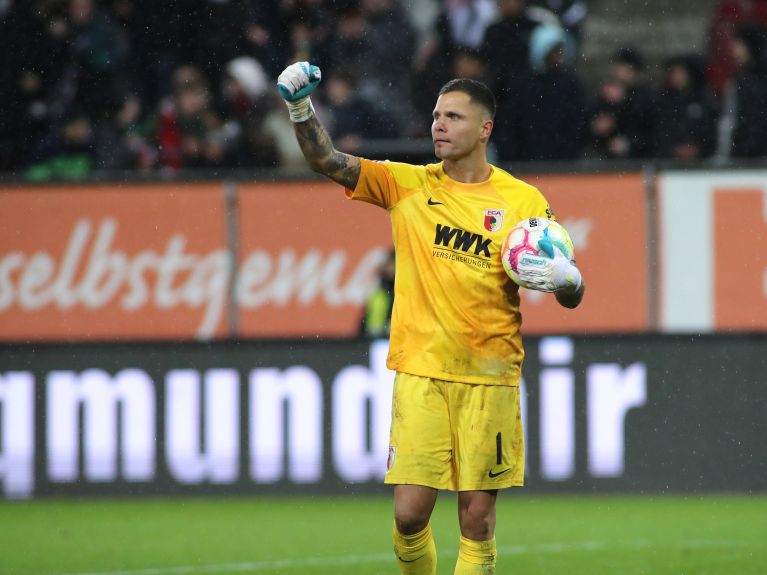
(300, 110)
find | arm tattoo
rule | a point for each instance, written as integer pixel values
(323, 157)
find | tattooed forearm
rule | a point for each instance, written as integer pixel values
(314, 140)
(318, 150)
(344, 169)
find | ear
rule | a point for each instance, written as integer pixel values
(486, 129)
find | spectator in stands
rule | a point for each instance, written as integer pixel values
(113, 61)
(185, 131)
(277, 127)
(160, 35)
(306, 27)
(467, 20)
(570, 15)
(376, 317)
(430, 70)
(222, 30)
(459, 26)
(246, 104)
(468, 63)
(727, 16)
(265, 43)
(506, 46)
(686, 111)
(554, 102)
(422, 15)
(506, 50)
(96, 80)
(392, 44)
(744, 108)
(99, 52)
(351, 44)
(66, 152)
(8, 92)
(365, 40)
(34, 40)
(624, 122)
(353, 118)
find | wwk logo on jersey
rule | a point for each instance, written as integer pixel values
(462, 240)
(493, 220)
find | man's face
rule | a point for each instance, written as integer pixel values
(624, 74)
(81, 11)
(739, 52)
(459, 126)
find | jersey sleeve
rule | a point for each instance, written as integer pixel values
(540, 207)
(384, 183)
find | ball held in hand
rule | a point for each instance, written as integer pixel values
(529, 242)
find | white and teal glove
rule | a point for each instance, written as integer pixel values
(550, 272)
(295, 84)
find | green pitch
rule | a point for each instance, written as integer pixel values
(314, 536)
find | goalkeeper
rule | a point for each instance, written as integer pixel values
(455, 341)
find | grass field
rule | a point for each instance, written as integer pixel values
(314, 536)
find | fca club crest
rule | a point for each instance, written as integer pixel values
(493, 220)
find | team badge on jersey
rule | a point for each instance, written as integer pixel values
(493, 220)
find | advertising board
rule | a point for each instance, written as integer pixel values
(307, 259)
(137, 262)
(113, 262)
(713, 262)
(646, 413)
(606, 216)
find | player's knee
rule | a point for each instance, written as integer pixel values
(477, 523)
(410, 522)
(478, 530)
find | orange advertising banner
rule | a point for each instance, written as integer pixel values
(606, 216)
(307, 259)
(293, 259)
(113, 262)
(739, 258)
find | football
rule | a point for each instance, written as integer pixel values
(522, 241)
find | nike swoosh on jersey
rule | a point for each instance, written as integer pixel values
(490, 473)
(433, 203)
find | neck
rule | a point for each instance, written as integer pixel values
(468, 170)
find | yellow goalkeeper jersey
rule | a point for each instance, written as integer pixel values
(456, 313)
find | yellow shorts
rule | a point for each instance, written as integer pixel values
(456, 436)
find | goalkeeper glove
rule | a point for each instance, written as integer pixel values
(551, 272)
(295, 84)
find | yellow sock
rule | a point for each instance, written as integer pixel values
(476, 557)
(416, 554)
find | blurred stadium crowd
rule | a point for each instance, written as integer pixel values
(176, 84)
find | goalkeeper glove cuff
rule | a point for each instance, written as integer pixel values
(300, 110)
